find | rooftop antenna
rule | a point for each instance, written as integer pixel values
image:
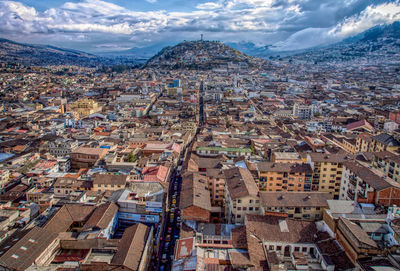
(201, 37)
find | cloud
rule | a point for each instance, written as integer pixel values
(373, 15)
(209, 5)
(287, 24)
(370, 17)
(151, 1)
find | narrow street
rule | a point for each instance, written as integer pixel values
(172, 220)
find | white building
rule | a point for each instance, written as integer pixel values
(304, 111)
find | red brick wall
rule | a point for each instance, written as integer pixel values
(196, 213)
(389, 196)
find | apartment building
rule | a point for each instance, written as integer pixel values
(275, 177)
(195, 202)
(216, 186)
(109, 182)
(85, 107)
(85, 157)
(385, 142)
(62, 147)
(363, 142)
(327, 172)
(298, 205)
(388, 163)
(362, 183)
(241, 195)
(230, 152)
(382, 142)
(304, 111)
(4, 178)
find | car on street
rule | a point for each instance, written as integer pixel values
(166, 246)
(168, 238)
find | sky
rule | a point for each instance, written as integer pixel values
(114, 25)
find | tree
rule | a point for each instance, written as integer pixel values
(131, 157)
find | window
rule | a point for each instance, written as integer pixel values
(251, 201)
(15, 256)
(250, 208)
(271, 247)
(23, 248)
(239, 201)
(304, 249)
(244, 208)
(296, 249)
(239, 208)
(238, 216)
(256, 208)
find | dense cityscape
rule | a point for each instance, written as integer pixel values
(202, 157)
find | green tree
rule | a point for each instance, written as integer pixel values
(131, 157)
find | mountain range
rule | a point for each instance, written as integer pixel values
(380, 44)
(29, 54)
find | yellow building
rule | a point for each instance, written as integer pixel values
(109, 182)
(385, 142)
(363, 142)
(349, 145)
(85, 107)
(327, 172)
(298, 205)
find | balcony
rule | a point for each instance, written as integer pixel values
(350, 194)
(353, 182)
